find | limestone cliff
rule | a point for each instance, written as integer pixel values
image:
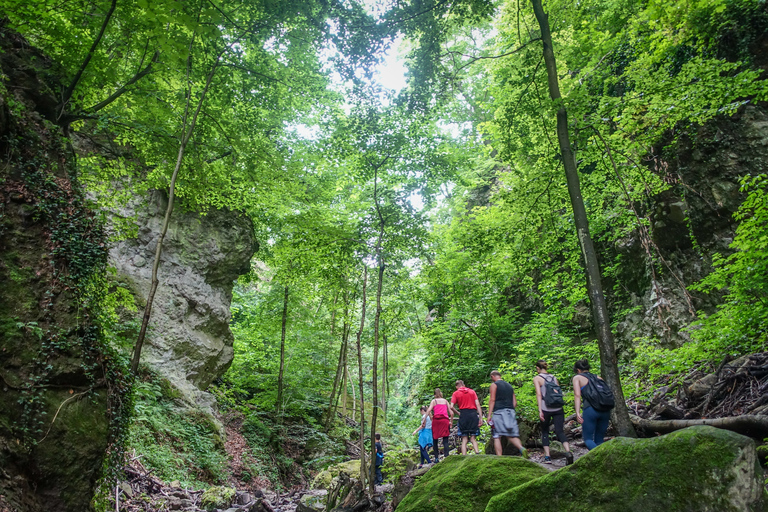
(58, 390)
(189, 341)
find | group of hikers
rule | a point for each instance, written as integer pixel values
(593, 402)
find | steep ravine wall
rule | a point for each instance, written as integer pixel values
(690, 222)
(56, 385)
(189, 341)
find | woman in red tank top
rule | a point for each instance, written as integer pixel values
(442, 412)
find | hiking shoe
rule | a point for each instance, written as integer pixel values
(547, 460)
(568, 458)
(525, 454)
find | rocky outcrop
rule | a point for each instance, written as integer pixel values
(57, 387)
(189, 341)
(465, 484)
(690, 222)
(701, 469)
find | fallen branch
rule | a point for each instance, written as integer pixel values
(750, 425)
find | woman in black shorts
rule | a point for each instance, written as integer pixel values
(549, 414)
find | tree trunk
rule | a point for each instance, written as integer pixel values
(340, 381)
(329, 413)
(384, 383)
(377, 319)
(750, 425)
(278, 404)
(609, 363)
(187, 131)
(360, 382)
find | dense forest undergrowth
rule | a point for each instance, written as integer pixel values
(299, 255)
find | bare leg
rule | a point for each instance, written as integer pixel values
(516, 443)
(497, 445)
(567, 447)
(546, 450)
(463, 445)
(474, 443)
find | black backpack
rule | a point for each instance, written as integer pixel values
(598, 394)
(553, 395)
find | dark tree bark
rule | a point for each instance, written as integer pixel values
(278, 404)
(363, 470)
(384, 382)
(377, 319)
(609, 363)
(332, 399)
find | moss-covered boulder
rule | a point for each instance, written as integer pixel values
(324, 478)
(217, 497)
(698, 469)
(466, 483)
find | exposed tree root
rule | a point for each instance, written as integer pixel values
(753, 426)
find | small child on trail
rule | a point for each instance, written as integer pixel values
(425, 436)
(378, 476)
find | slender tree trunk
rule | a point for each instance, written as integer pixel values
(608, 360)
(333, 314)
(279, 403)
(354, 397)
(187, 130)
(384, 382)
(345, 343)
(377, 319)
(363, 469)
(331, 411)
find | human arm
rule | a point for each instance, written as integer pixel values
(577, 398)
(491, 401)
(514, 400)
(422, 426)
(479, 412)
(537, 385)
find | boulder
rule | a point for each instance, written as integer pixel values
(217, 497)
(405, 483)
(324, 478)
(698, 469)
(466, 483)
(312, 501)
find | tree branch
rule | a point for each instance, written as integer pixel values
(68, 92)
(138, 76)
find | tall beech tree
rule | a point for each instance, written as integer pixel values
(609, 363)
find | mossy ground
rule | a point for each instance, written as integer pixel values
(689, 470)
(466, 483)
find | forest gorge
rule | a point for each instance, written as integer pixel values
(230, 256)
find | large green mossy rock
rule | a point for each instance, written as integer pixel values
(324, 478)
(466, 483)
(699, 469)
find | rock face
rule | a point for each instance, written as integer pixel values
(689, 222)
(699, 469)
(56, 385)
(189, 341)
(465, 484)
